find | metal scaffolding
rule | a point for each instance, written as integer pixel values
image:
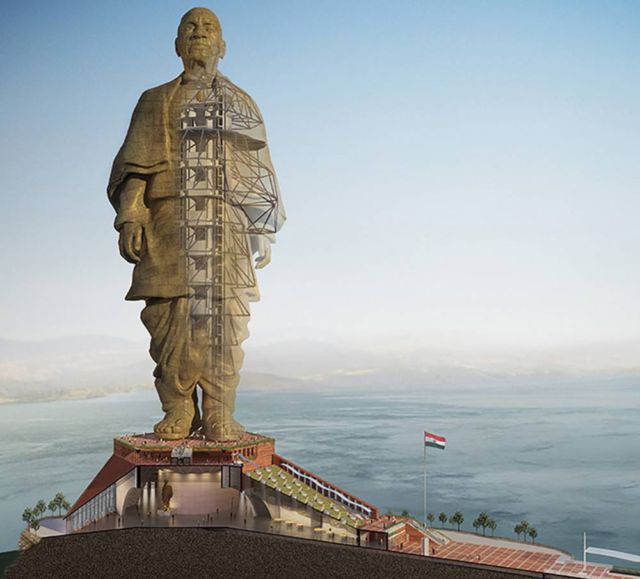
(227, 192)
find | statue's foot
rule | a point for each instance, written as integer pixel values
(174, 426)
(215, 428)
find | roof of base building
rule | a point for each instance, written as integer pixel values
(195, 553)
(114, 469)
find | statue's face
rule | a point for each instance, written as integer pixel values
(199, 36)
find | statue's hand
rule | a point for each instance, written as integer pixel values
(130, 241)
(263, 249)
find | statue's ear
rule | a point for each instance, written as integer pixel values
(223, 48)
(175, 44)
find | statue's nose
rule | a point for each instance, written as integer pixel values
(199, 31)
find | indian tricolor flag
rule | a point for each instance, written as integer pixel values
(434, 440)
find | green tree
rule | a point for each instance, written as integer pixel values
(483, 519)
(442, 517)
(59, 500)
(40, 509)
(533, 533)
(52, 506)
(65, 505)
(457, 519)
(27, 516)
(518, 530)
(476, 524)
(30, 517)
(56, 501)
(431, 517)
(524, 524)
(405, 513)
(493, 525)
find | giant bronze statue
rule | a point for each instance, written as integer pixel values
(197, 202)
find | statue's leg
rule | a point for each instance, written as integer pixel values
(176, 370)
(218, 406)
(219, 384)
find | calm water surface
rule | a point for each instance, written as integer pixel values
(566, 458)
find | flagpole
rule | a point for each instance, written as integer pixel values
(424, 445)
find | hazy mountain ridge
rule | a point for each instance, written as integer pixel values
(87, 366)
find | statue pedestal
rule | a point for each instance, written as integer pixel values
(251, 450)
(206, 477)
(194, 482)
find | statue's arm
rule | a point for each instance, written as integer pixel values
(261, 242)
(252, 143)
(130, 217)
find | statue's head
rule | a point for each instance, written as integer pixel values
(199, 38)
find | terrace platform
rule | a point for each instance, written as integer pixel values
(254, 450)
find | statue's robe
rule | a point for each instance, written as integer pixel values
(151, 152)
(148, 152)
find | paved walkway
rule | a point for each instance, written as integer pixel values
(462, 537)
(522, 557)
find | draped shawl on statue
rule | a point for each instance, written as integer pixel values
(147, 152)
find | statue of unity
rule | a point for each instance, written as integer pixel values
(197, 208)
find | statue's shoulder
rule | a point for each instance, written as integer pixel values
(237, 92)
(160, 92)
(228, 84)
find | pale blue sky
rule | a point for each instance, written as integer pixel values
(466, 168)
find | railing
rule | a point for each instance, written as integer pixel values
(328, 490)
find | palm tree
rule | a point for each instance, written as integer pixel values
(56, 501)
(533, 534)
(27, 516)
(65, 504)
(442, 517)
(476, 524)
(493, 525)
(40, 508)
(30, 517)
(525, 529)
(52, 506)
(431, 517)
(518, 530)
(483, 519)
(457, 519)
(59, 499)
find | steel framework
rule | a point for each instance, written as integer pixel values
(227, 192)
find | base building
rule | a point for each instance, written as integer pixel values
(238, 484)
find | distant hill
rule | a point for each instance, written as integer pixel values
(88, 366)
(79, 366)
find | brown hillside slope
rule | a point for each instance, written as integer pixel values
(195, 553)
